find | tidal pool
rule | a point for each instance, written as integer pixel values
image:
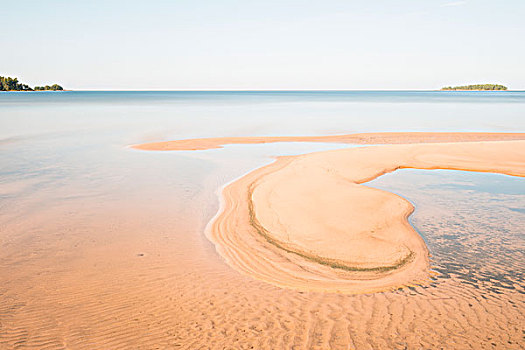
(473, 223)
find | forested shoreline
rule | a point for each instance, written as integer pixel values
(487, 87)
(12, 84)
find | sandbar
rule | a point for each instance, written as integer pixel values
(359, 139)
(308, 223)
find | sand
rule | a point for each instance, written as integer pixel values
(307, 223)
(128, 268)
(359, 139)
(330, 232)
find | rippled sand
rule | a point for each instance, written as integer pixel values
(90, 274)
(175, 297)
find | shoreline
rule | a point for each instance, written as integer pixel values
(353, 239)
(358, 138)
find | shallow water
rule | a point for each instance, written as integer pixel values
(134, 117)
(473, 223)
(102, 246)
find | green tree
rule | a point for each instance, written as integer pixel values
(12, 84)
(477, 87)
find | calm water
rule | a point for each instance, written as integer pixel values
(93, 233)
(71, 147)
(473, 223)
(128, 117)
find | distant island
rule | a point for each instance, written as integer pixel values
(488, 87)
(54, 87)
(12, 84)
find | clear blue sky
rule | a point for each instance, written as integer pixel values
(267, 44)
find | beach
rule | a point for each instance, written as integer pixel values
(240, 175)
(109, 247)
(305, 222)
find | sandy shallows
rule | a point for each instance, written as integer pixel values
(364, 138)
(307, 223)
(131, 269)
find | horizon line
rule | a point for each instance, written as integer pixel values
(265, 90)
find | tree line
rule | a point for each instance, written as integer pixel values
(54, 87)
(12, 84)
(477, 87)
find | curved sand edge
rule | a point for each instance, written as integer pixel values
(291, 231)
(362, 138)
(280, 240)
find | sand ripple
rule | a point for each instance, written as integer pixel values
(134, 272)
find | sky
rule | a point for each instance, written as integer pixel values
(263, 45)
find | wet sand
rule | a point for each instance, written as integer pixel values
(358, 139)
(306, 223)
(135, 272)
